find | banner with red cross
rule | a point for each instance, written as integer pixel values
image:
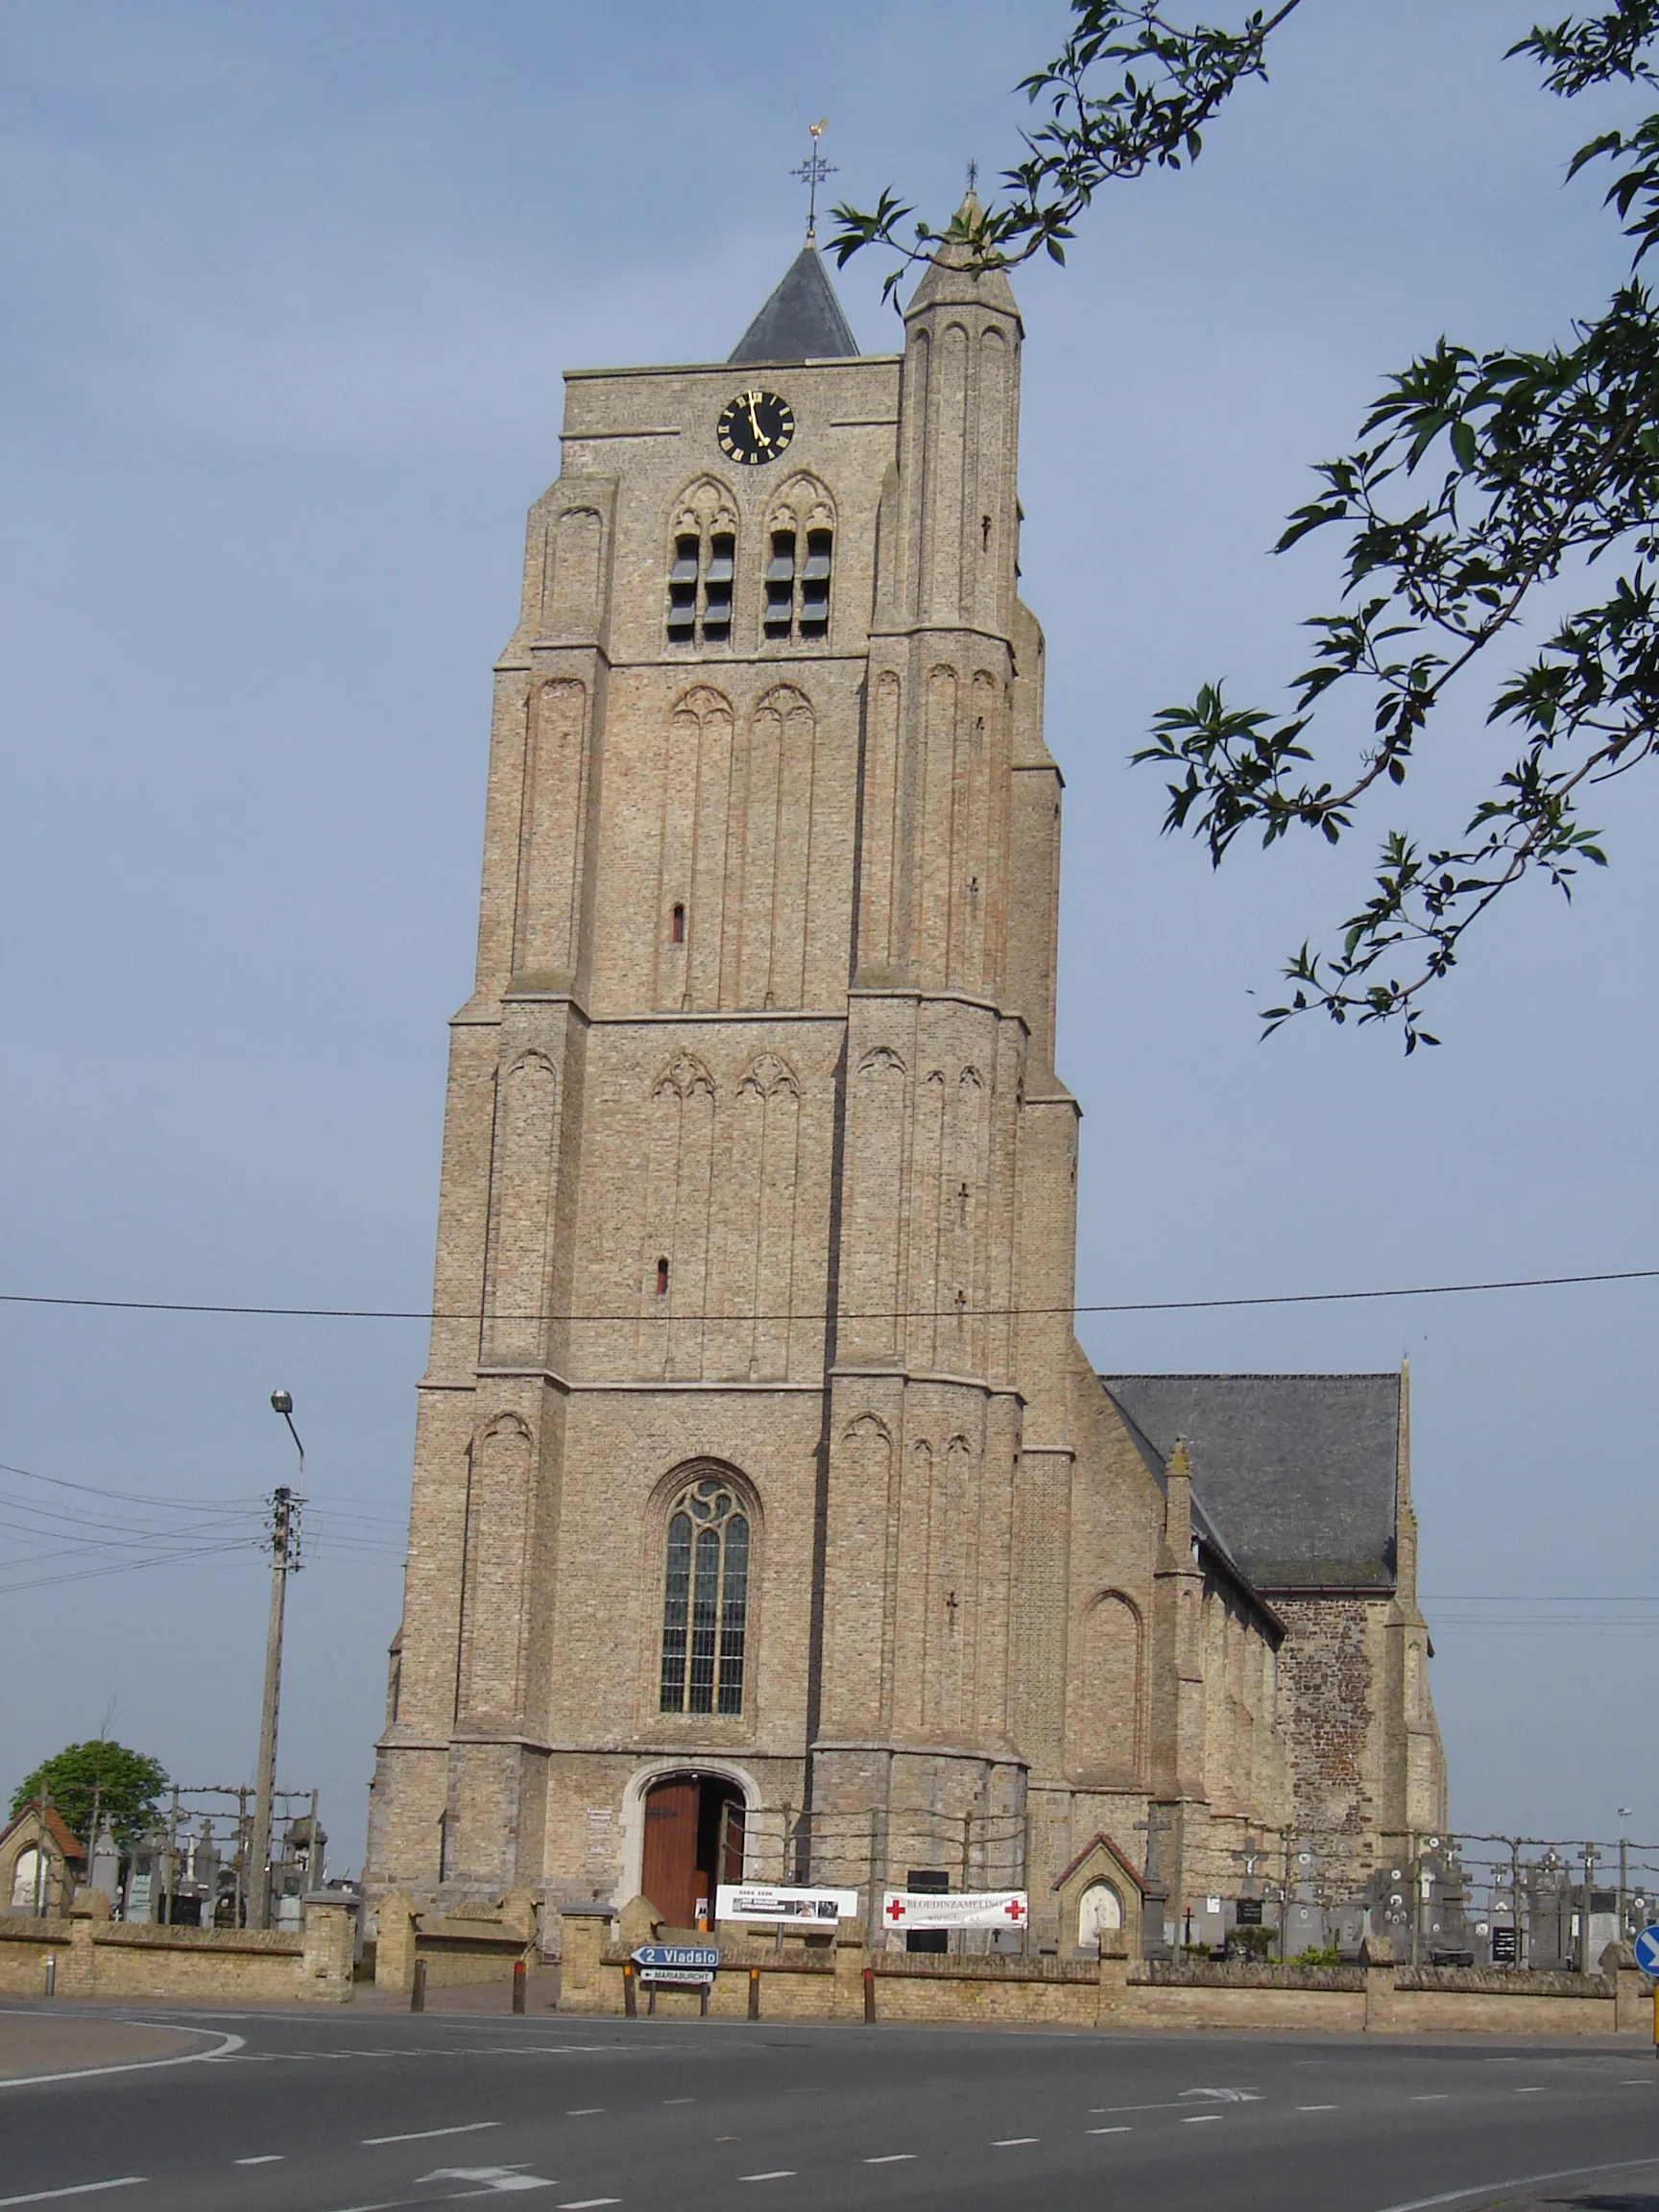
(904, 1909)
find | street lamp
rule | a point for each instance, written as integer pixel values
(286, 1505)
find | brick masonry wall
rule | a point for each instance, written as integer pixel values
(100, 1959)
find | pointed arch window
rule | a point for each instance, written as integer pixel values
(706, 1600)
(701, 572)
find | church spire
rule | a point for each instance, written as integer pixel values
(802, 321)
(947, 278)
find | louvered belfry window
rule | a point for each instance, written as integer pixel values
(706, 1600)
(700, 581)
(797, 588)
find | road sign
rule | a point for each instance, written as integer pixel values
(1647, 1951)
(676, 1965)
(904, 1909)
(785, 1904)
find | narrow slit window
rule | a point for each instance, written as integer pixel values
(661, 1278)
(815, 584)
(677, 927)
(705, 1601)
(781, 584)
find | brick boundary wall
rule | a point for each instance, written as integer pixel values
(1376, 1995)
(96, 1957)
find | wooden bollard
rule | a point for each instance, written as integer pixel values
(630, 1997)
(753, 1992)
(520, 1981)
(418, 1987)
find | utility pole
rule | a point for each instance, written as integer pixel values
(285, 1510)
(1624, 1812)
(1584, 1913)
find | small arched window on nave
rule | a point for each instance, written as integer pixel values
(706, 1600)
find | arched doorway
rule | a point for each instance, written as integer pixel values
(693, 1841)
(1099, 1913)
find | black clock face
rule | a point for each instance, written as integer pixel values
(755, 427)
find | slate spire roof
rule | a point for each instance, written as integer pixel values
(802, 321)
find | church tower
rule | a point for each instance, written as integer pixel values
(766, 1516)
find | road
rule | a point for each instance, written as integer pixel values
(364, 2111)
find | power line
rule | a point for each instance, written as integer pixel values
(953, 1312)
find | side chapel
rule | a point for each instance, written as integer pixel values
(767, 1515)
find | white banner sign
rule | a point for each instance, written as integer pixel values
(769, 1901)
(902, 1909)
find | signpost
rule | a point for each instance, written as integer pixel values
(676, 1965)
(905, 1908)
(785, 1904)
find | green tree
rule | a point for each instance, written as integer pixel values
(128, 1784)
(1479, 481)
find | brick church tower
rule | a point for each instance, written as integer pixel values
(766, 1514)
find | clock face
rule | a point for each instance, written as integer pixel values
(755, 427)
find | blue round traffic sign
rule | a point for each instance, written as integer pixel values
(1647, 1951)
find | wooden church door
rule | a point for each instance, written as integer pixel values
(668, 1875)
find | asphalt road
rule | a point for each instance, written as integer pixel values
(364, 2111)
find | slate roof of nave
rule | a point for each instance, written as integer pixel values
(802, 321)
(1295, 1475)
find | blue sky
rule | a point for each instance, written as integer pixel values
(289, 294)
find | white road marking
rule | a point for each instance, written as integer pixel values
(265, 2158)
(1013, 2142)
(778, 2174)
(496, 2179)
(427, 2134)
(679, 2099)
(1318, 2107)
(1176, 2105)
(583, 2111)
(1536, 2089)
(1197, 2119)
(891, 2158)
(223, 2049)
(587, 2204)
(1517, 2181)
(1432, 2096)
(1227, 2095)
(1120, 2131)
(81, 2189)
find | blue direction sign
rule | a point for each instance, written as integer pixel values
(1647, 1951)
(684, 1965)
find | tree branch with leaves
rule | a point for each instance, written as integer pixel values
(1481, 482)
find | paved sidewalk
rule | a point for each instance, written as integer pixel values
(34, 2043)
(1629, 2189)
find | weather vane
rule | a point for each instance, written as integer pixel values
(812, 173)
(972, 176)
